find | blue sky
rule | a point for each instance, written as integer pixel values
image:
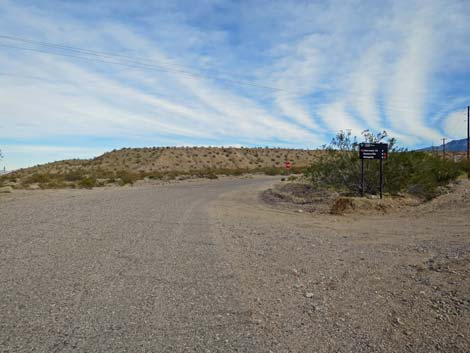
(213, 72)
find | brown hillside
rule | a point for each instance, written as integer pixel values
(148, 162)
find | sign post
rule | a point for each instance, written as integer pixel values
(288, 165)
(362, 177)
(373, 151)
(381, 177)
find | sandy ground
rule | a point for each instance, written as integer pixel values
(208, 267)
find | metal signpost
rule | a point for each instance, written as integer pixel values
(373, 151)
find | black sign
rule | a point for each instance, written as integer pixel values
(373, 150)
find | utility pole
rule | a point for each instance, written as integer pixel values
(468, 132)
(443, 148)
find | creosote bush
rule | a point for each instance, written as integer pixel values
(418, 173)
(87, 182)
(126, 177)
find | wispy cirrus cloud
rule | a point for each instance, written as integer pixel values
(203, 76)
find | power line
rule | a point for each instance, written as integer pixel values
(141, 64)
(102, 53)
(134, 62)
(137, 64)
(145, 67)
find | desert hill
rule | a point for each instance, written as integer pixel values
(182, 159)
(162, 162)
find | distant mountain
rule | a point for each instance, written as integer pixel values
(452, 146)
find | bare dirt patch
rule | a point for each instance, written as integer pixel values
(301, 196)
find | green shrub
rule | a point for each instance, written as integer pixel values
(126, 177)
(102, 174)
(41, 178)
(210, 174)
(418, 173)
(272, 171)
(74, 175)
(54, 184)
(465, 166)
(87, 182)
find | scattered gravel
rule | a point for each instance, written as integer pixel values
(207, 266)
(397, 282)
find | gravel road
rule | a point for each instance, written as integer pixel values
(205, 267)
(121, 269)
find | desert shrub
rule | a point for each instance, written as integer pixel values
(87, 182)
(54, 184)
(233, 172)
(211, 175)
(273, 171)
(126, 177)
(208, 174)
(4, 179)
(418, 173)
(74, 175)
(41, 178)
(340, 205)
(171, 175)
(464, 166)
(155, 176)
(102, 174)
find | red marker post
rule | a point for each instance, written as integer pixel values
(288, 165)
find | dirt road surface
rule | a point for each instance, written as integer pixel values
(207, 267)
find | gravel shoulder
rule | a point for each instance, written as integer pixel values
(207, 266)
(397, 282)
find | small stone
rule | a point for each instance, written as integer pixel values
(309, 295)
(398, 321)
(300, 211)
